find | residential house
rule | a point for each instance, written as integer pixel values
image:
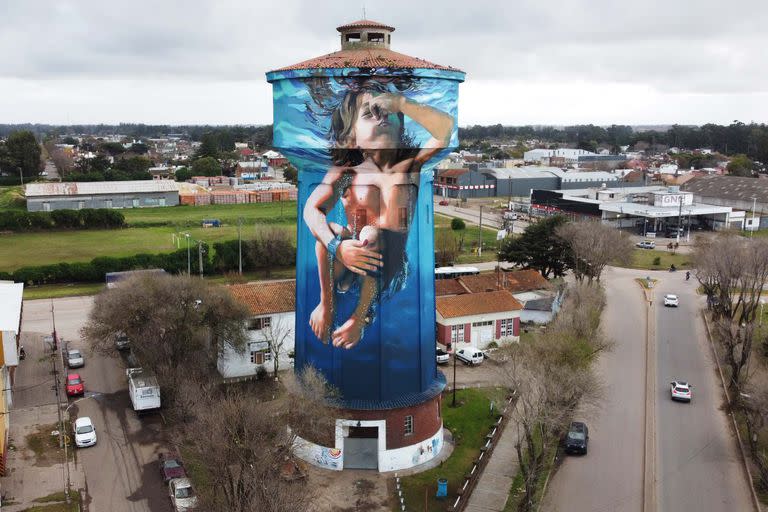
(477, 319)
(10, 329)
(272, 319)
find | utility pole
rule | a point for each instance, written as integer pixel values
(200, 256)
(239, 247)
(679, 216)
(189, 261)
(480, 234)
(754, 205)
(453, 346)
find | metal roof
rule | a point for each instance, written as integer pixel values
(729, 187)
(655, 212)
(10, 305)
(85, 188)
(517, 173)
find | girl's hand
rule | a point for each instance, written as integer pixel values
(353, 255)
(387, 103)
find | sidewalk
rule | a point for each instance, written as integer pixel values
(492, 490)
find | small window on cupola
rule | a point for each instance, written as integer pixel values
(353, 37)
(375, 37)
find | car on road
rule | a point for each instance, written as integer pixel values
(75, 385)
(671, 300)
(171, 467)
(680, 390)
(646, 244)
(441, 356)
(75, 359)
(85, 432)
(470, 356)
(122, 342)
(577, 438)
(443, 203)
(182, 495)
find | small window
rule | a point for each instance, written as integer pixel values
(508, 327)
(46, 206)
(353, 37)
(408, 425)
(135, 202)
(261, 356)
(108, 203)
(257, 324)
(375, 37)
(457, 333)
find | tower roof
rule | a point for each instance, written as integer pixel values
(365, 24)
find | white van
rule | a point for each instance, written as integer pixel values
(470, 356)
(144, 390)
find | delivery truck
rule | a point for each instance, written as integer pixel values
(144, 390)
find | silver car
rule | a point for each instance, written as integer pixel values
(75, 359)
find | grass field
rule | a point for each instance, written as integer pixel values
(469, 423)
(644, 258)
(272, 213)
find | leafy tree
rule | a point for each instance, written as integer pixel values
(69, 140)
(139, 148)
(135, 166)
(96, 165)
(113, 148)
(209, 147)
(457, 224)
(740, 165)
(271, 247)
(539, 248)
(291, 175)
(206, 166)
(22, 153)
(183, 174)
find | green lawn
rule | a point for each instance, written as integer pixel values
(283, 212)
(469, 423)
(471, 235)
(643, 259)
(11, 198)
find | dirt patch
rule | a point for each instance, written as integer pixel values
(42, 446)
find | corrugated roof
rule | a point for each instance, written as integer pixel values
(99, 187)
(364, 24)
(10, 305)
(472, 304)
(366, 58)
(266, 298)
(729, 187)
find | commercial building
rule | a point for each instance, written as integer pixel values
(749, 195)
(46, 197)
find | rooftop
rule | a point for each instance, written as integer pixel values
(266, 297)
(729, 187)
(98, 187)
(471, 304)
(10, 305)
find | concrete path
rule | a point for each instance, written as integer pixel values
(492, 490)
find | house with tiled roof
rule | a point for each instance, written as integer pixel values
(271, 329)
(477, 319)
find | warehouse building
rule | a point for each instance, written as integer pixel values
(746, 194)
(46, 197)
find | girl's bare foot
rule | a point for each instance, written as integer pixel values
(320, 322)
(349, 334)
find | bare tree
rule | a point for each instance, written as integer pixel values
(277, 335)
(735, 270)
(593, 246)
(552, 377)
(446, 248)
(62, 161)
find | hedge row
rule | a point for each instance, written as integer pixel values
(257, 254)
(19, 220)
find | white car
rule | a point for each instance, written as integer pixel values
(671, 300)
(680, 390)
(470, 356)
(441, 356)
(75, 359)
(183, 497)
(85, 433)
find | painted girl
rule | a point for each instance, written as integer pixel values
(376, 176)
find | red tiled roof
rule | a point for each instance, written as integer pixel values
(366, 58)
(365, 24)
(525, 281)
(266, 298)
(515, 282)
(471, 304)
(452, 173)
(448, 287)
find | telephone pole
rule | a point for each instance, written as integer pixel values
(240, 247)
(200, 256)
(480, 234)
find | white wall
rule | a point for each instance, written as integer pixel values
(232, 364)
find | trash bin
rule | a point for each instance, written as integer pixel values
(442, 488)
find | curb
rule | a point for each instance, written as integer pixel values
(649, 453)
(750, 482)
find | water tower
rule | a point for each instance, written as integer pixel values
(365, 127)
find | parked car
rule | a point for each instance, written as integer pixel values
(577, 438)
(671, 300)
(75, 385)
(171, 467)
(122, 342)
(442, 356)
(85, 432)
(75, 359)
(673, 233)
(470, 356)
(182, 495)
(443, 203)
(646, 244)
(680, 390)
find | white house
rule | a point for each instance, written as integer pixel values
(271, 329)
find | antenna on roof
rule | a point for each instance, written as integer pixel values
(364, 12)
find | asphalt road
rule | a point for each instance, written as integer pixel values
(121, 470)
(610, 477)
(698, 465)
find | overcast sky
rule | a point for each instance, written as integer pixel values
(527, 61)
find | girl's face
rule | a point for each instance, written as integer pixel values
(375, 128)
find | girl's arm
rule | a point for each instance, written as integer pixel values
(320, 201)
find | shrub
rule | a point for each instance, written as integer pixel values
(457, 224)
(61, 219)
(657, 261)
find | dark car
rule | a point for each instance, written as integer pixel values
(122, 342)
(171, 467)
(577, 438)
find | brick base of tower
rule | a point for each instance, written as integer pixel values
(385, 440)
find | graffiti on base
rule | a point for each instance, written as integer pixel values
(327, 457)
(426, 451)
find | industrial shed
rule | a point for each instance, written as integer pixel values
(45, 197)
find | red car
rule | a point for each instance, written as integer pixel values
(75, 385)
(443, 203)
(171, 467)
